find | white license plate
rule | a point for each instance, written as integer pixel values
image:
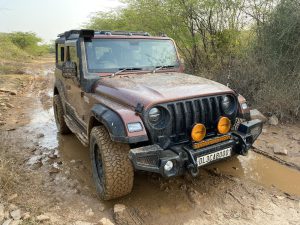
(202, 160)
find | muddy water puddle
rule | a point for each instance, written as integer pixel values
(253, 167)
(262, 170)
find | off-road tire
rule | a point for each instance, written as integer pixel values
(112, 170)
(59, 115)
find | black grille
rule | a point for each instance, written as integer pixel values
(184, 114)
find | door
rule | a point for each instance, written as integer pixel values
(74, 94)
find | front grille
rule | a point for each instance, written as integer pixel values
(184, 114)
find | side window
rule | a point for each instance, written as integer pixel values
(72, 54)
(60, 55)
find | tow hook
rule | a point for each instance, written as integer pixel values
(194, 171)
(192, 167)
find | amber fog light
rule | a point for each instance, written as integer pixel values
(224, 125)
(198, 132)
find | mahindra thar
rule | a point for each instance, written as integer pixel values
(125, 95)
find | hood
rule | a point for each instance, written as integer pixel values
(151, 88)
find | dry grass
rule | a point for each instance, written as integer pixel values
(8, 176)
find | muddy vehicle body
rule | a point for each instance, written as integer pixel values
(124, 94)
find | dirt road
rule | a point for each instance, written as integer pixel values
(45, 178)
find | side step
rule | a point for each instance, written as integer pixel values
(77, 131)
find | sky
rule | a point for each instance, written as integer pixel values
(48, 18)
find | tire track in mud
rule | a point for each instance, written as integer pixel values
(277, 159)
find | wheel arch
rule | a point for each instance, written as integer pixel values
(103, 116)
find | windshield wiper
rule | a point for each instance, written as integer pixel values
(161, 67)
(125, 69)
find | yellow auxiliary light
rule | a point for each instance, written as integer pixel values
(224, 125)
(198, 132)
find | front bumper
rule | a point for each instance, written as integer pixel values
(153, 158)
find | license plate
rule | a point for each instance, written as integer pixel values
(202, 160)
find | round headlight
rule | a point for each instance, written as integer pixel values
(158, 117)
(154, 115)
(227, 105)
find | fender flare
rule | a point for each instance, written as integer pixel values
(112, 121)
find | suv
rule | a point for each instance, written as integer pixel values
(124, 94)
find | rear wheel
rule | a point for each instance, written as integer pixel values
(112, 170)
(59, 115)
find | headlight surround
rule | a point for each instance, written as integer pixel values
(158, 117)
(228, 105)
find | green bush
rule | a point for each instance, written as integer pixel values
(29, 42)
(9, 51)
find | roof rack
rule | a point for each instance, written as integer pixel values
(128, 33)
(75, 34)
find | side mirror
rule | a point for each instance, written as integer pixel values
(69, 69)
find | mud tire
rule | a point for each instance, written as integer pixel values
(112, 170)
(59, 115)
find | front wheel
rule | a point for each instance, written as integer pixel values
(112, 170)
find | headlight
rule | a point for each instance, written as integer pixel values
(158, 117)
(154, 115)
(228, 105)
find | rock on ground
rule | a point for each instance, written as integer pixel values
(89, 212)
(280, 150)
(16, 214)
(105, 221)
(255, 114)
(26, 216)
(273, 120)
(42, 218)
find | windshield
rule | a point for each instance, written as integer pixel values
(111, 55)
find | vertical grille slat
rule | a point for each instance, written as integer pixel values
(195, 112)
(217, 107)
(178, 119)
(210, 112)
(202, 111)
(173, 120)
